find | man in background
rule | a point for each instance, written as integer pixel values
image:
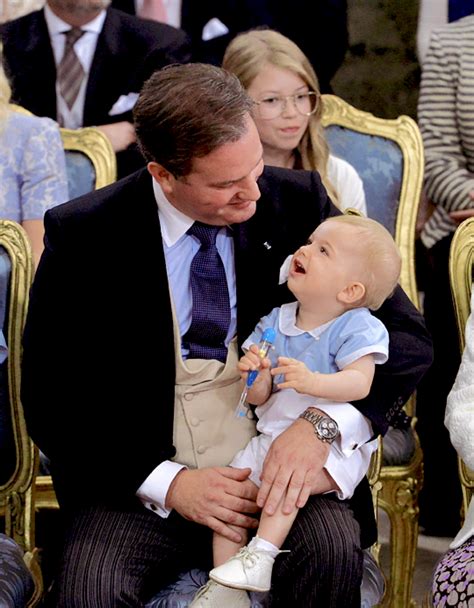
(83, 64)
(318, 28)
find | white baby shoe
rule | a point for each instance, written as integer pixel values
(249, 569)
(213, 595)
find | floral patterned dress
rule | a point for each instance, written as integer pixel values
(32, 167)
(453, 581)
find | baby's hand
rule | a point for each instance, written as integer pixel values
(251, 361)
(297, 375)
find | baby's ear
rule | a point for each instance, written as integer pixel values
(352, 294)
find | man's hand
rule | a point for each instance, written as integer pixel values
(463, 214)
(297, 376)
(292, 466)
(215, 497)
(460, 216)
(120, 134)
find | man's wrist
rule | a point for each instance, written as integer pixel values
(325, 428)
(170, 502)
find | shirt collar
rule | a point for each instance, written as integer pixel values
(174, 223)
(57, 26)
(287, 322)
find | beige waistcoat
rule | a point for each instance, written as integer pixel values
(206, 432)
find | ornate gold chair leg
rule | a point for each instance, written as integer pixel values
(399, 498)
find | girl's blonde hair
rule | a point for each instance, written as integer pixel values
(246, 56)
(380, 257)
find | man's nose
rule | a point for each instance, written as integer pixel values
(249, 190)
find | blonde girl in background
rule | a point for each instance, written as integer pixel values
(288, 108)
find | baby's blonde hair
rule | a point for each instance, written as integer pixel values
(381, 260)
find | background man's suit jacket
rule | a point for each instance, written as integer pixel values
(318, 28)
(128, 51)
(98, 350)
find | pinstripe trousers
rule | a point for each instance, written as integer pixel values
(122, 558)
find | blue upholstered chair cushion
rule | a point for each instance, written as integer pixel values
(7, 446)
(379, 162)
(16, 581)
(80, 173)
(180, 593)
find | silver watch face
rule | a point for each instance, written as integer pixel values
(328, 429)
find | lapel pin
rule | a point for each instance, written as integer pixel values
(267, 245)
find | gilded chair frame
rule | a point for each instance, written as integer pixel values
(461, 274)
(399, 485)
(17, 494)
(91, 142)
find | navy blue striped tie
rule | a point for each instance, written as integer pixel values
(211, 307)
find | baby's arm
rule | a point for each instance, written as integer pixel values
(350, 384)
(261, 389)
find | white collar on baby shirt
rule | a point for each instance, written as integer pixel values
(287, 322)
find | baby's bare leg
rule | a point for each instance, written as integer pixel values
(275, 528)
(223, 548)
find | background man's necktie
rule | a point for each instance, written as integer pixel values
(211, 307)
(154, 9)
(70, 71)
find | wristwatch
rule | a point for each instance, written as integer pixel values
(325, 428)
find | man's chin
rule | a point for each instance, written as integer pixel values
(241, 212)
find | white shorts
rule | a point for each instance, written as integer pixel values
(253, 456)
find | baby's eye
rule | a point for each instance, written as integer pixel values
(323, 250)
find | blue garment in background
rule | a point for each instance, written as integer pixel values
(459, 8)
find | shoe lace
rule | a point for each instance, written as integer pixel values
(248, 557)
(202, 592)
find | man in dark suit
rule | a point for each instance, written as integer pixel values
(118, 53)
(116, 399)
(318, 28)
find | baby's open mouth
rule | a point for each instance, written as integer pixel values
(299, 267)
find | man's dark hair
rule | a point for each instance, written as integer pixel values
(187, 111)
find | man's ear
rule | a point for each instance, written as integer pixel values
(162, 176)
(352, 294)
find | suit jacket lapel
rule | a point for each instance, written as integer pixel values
(40, 67)
(100, 86)
(258, 257)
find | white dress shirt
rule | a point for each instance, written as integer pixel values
(85, 48)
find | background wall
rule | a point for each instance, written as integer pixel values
(380, 73)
